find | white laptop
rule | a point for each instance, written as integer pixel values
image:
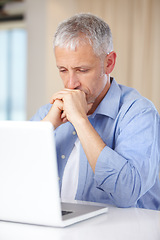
(29, 183)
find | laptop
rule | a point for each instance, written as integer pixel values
(29, 182)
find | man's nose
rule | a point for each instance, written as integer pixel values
(73, 81)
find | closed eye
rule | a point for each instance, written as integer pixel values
(63, 70)
(83, 70)
(78, 70)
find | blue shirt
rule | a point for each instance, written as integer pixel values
(127, 169)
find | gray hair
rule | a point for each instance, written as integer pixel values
(84, 28)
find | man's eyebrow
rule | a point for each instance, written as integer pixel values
(60, 66)
(82, 66)
(77, 67)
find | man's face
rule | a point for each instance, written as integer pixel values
(82, 69)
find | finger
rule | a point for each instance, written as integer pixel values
(61, 94)
(64, 120)
(89, 106)
(58, 104)
(63, 115)
(57, 96)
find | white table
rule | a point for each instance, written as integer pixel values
(117, 224)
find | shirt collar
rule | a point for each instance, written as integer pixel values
(109, 106)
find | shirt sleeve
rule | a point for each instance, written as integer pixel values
(130, 169)
(41, 113)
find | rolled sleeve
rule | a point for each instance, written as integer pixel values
(128, 171)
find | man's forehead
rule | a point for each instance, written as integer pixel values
(81, 56)
(78, 49)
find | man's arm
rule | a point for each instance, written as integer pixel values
(127, 171)
(91, 141)
(55, 114)
(71, 105)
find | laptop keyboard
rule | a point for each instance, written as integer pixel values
(66, 212)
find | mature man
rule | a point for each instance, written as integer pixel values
(107, 135)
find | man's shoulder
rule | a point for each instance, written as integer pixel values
(42, 112)
(135, 106)
(132, 99)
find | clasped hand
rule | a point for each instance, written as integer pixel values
(68, 105)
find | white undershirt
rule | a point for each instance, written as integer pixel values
(70, 176)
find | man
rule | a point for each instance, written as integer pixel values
(107, 135)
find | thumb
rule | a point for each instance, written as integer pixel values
(89, 106)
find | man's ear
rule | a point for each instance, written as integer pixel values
(110, 61)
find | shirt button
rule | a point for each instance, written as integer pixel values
(63, 156)
(74, 132)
